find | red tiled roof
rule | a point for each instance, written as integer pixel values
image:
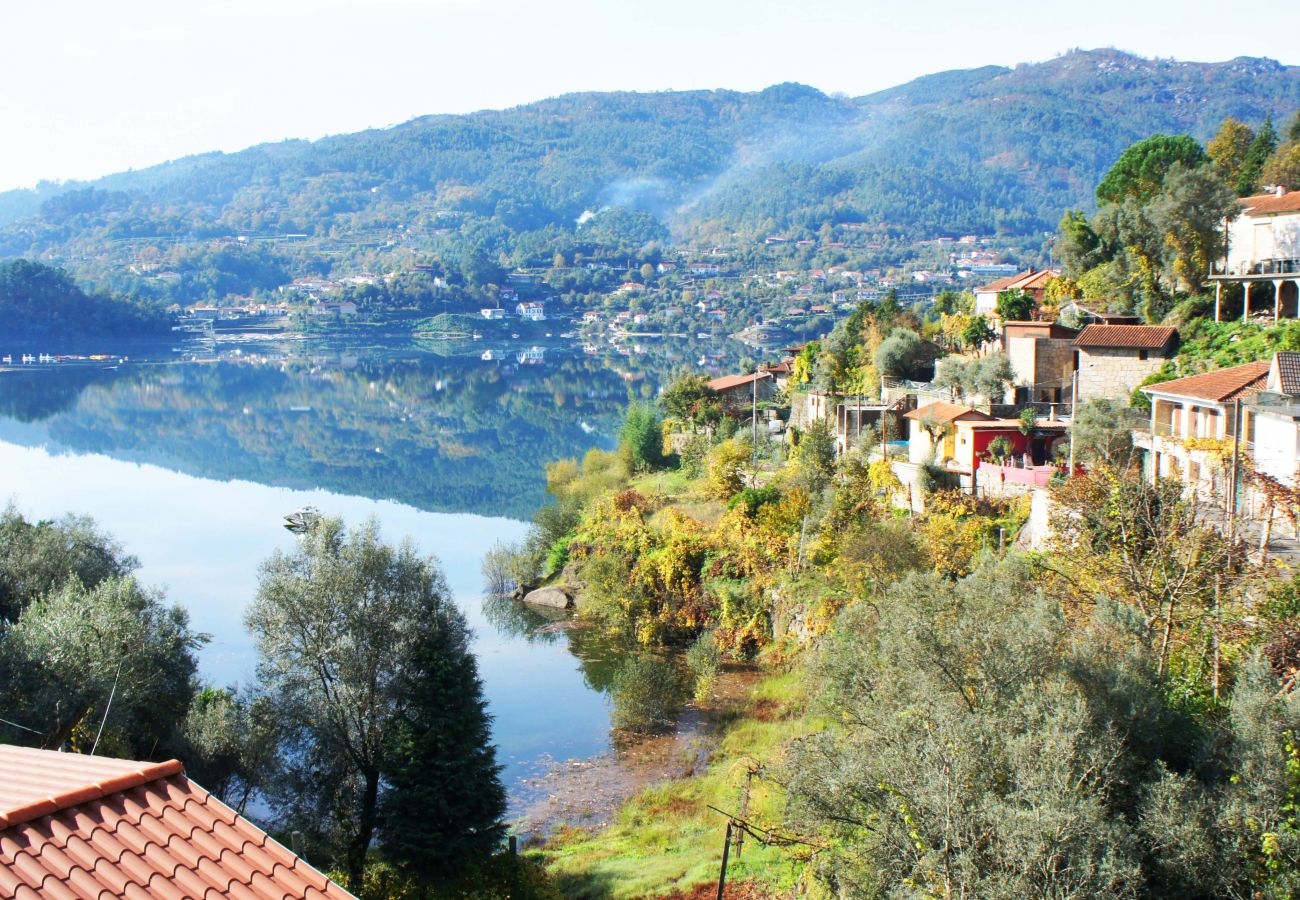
(1271, 203)
(1029, 280)
(945, 412)
(727, 382)
(1139, 337)
(74, 826)
(1218, 386)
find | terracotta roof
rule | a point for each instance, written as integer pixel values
(1039, 424)
(1141, 337)
(74, 826)
(1029, 280)
(1288, 370)
(726, 382)
(1218, 386)
(1265, 204)
(945, 412)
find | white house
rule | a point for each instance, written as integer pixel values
(494, 312)
(1263, 256)
(1198, 407)
(1030, 281)
(1274, 421)
(532, 311)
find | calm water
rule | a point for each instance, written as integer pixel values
(193, 464)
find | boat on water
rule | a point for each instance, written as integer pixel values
(300, 521)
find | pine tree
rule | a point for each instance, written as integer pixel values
(443, 805)
(1252, 166)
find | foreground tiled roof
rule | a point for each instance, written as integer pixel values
(1137, 337)
(109, 828)
(945, 412)
(1218, 386)
(731, 381)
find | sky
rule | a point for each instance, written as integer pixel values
(89, 87)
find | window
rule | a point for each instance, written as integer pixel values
(1142, 354)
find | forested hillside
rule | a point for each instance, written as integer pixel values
(983, 151)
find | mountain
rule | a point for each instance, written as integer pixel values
(987, 151)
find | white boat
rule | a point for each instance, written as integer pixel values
(302, 520)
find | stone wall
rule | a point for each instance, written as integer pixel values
(1113, 373)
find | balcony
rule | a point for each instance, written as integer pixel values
(1260, 268)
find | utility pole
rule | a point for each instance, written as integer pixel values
(753, 424)
(1236, 455)
(1074, 413)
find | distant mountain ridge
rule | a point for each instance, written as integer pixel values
(982, 150)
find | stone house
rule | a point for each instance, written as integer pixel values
(1112, 360)
(1042, 360)
(740, 391)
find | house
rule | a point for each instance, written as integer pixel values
(718, 314)
(740, 391)
(931, 434)
(531, 311)
(640, 318)
(1197, 407)
(853, 416)
(1263, 256)
(591, 315)
(1272, 421)
(345, 309)
(1112, 360)
(492, 313)
(1030, 281)
(73, 825)
(630, 287)
(1042, 360)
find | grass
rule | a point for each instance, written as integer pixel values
(666, 838)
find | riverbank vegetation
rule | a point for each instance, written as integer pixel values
(942, 712)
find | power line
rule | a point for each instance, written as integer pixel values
(16, 725)
(107, 707)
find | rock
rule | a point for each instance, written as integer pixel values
(554, 597)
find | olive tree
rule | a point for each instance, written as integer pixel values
(356, 639)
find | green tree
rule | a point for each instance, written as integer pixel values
(1189, 213)
(1250, 176)
(641, 440)
(1016, 306)
(900, 353)
(1283, 167)
(690, 399)
(816, 455)
(37, 558)
(977, 333)
(1140, 171)
(73, 648)
(443, 806)
(345, 627)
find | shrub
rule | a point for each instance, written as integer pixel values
(725, 469)
(646, 694)
(704, 660)
(508, 566)
(752, 498)
(692, 457)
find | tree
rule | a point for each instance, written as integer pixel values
(37, 558)
(690, 399)
(900, 353)
(1189, 212)
(444, 803)
(73, 648)
(1140, 171)
(345, 627)
(1016, 306)
(816, 455)
(1103, 434)
(1250, 176)
(1080, 248)
(1283, 167)
(977, 333)
(989, 376)
(641, 440)
(1227, 149)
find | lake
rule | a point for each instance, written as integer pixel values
(191, 460)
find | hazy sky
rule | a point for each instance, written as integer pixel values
(89, 87)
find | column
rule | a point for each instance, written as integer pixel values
(1245, 302)
(1218, 297)
(1277, 298)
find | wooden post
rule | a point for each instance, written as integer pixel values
(722, 875)
(1074, 414)
(1236, 455)
(744, 807)
(1277, 299)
